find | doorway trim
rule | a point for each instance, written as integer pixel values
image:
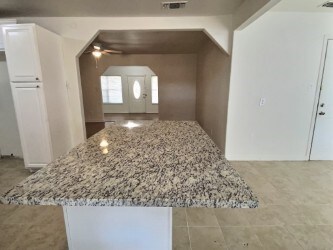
(317, 94)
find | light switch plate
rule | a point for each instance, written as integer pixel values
(262, 101)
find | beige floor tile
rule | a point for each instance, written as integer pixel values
(9, 234)
(51, 215)
(36, 215)
(290, 214)
(275, 237)
(179, 217)
(14, 174)
(308, 196)
(275, 198)
(42, 237)
(180, 238)
(227, 217)
(268, 215)
(241, 238)
(204, 238)
(317, 214)
(277, 215)
(201, 217)
(5, 211)
(313, 237)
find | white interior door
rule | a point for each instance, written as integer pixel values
(22, 53)
(322, 146)
(137, 95)
(33, 125)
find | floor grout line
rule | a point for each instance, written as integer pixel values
(292, 235)
(188, 229)
(218, 222)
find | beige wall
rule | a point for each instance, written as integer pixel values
(213, 76)
(177, 83)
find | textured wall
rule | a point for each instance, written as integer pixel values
(177, 83)
(213, 76)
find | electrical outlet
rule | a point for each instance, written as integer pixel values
(262, 101)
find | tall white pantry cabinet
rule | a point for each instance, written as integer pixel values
(35, 65)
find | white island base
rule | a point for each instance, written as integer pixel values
(118, 228)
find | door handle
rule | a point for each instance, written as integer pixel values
(322, 113)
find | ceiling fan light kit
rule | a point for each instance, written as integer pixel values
(97, 46)
(97, 53)
(99, 50)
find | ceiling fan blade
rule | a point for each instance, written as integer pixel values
(113, 51)
(87, 52)
(105, 53)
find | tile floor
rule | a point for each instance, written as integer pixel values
(296, 212)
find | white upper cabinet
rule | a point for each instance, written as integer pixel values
(4, 22)
(22, 53)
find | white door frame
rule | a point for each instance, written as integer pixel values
(317, 95)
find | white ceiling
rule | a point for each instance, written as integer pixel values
(104, 8)
(302, 5)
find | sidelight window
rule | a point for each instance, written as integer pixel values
(154, 90)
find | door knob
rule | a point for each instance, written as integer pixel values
(322, 113)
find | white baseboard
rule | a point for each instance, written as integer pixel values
(263, 157)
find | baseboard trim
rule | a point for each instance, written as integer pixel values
(263, 157)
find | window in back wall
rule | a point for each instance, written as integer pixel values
(112, 90)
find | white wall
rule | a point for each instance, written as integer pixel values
(277, 57)
(251, 10)
(77, 32)
(9, 136)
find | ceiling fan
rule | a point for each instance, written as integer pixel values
(98, 50)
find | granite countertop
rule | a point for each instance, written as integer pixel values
(156, 164)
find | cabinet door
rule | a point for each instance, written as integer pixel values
(22, 53)
(33, 125)
(2, 23)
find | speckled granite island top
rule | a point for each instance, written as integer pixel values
(156, 164)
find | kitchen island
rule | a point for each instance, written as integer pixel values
(118, 187)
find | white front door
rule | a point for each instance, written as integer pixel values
(322, 145)
(137, 95)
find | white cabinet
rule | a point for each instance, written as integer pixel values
(22, 53)
(4, 22)
(33, 124)
(36, 71)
